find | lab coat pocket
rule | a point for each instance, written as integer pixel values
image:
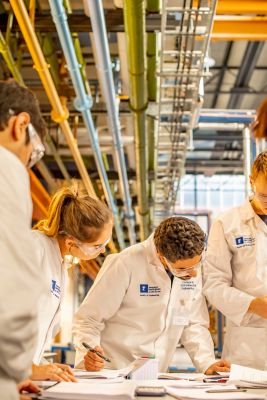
(246, 346)
(179, 320)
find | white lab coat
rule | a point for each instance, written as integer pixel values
(20, 283)
(54, 276)
(132, 311)
(235, 273)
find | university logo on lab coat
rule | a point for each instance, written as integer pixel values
(242, 241)
(55, 288)
(147, 290)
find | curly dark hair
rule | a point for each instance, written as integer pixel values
(20, 99)
(260, 165)
(179, 238)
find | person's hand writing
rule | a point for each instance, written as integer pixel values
(259, 306)
(92, 362)
(219, 366)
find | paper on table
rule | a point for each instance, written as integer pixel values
(201, 394)
(84, 391)
(104, 373)
(246, 374)
(102, 381)
(177, 375)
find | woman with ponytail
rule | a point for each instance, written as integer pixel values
(79, 226)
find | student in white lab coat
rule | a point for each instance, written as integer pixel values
(146, 299)
(236, 273)
(20, 285)
(77, 225)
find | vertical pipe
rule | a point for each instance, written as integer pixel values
(247, 158)
(134, 20)
(105, 74)
(83, 103)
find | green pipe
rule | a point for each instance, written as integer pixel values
(47, 45)
(151, 65)
(9, 26)
(78, 50)
(6, 53)
(67, 6)
(134, 20)
(81, 60)
(153, 6)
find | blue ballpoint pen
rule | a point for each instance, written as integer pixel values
(94, 351)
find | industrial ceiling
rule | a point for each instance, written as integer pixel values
(140, 93)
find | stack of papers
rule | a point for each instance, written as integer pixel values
(248, 377)
(83, 391)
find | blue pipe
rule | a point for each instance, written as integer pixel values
(218, 119)
(226, 120)
(105, 67)
(83, 103)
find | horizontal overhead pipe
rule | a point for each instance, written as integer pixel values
(83, 103)
(104, 67)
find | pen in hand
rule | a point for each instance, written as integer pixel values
(94, 351)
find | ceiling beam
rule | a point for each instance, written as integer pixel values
(250, 59)
(225, 27)
(222, 73)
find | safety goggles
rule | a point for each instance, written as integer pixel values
(180, 273)
(90, 250)
(38, 148)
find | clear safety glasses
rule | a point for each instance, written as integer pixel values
(38, 148)
(180, 273)
(261, 197)
(91, 250)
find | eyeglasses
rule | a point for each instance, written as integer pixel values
(179, 273)
(90, 250)
(38, 148)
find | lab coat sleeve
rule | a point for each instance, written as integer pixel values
(196, 337)
(232, 302)
(100, 304)
(20, 286)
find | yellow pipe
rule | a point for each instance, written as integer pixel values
(239, 28)
(59, 113)
(32, 11)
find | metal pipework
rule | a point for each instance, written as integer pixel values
(7, 55)
(105, 74)
(83, 103)
(59, 113)
(134, 19)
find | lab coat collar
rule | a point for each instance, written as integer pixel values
(151, 252)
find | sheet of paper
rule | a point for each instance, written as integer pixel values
(179, 375)
(84, 391)
(104, 373)
(239, 373)
(202, 394)
(103, 381)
